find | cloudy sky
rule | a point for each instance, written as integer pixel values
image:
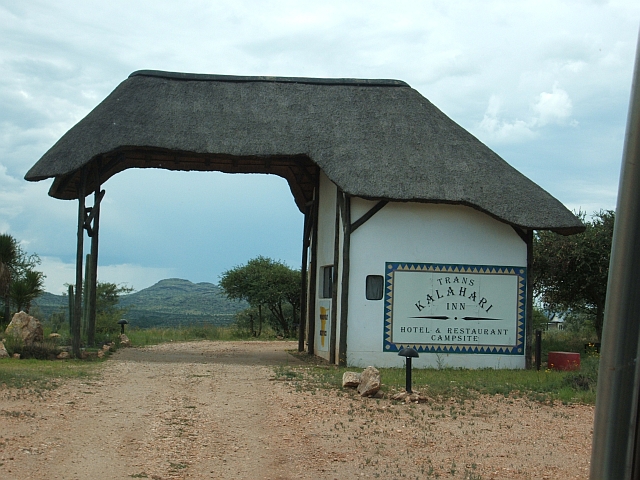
(543, 83)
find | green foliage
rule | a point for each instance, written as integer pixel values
(57, 320)
(20, 284)
(249, 322)
(8, 257)
(540, 320)
(579, 322)
(566, 341)
(26, 288)
(173, 302)
(269, 285)
(107, 310)
(45, 350)
(570, 272)
(155, 336)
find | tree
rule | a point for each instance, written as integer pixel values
(107, 311)
(16, 266)
(8, 257)
(267, 283)
(570, 272)
(26, 289)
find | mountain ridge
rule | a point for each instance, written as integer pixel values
(169, 302)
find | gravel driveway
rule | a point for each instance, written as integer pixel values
(215, 410)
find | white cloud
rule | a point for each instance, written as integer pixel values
(550, 108)
(554, 107)
(501, 130)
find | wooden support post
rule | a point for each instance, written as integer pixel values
(75, 333)
(335, 283)
(93, 280)
(529, 305)
(313, 272)
(72, 308)
(85, 294)
(344, 297)
(303, 280)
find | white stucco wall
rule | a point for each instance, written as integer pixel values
(420, 233)
(326, 239)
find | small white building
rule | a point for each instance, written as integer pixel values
(416, 234)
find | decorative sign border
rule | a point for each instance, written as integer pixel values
(519, 272)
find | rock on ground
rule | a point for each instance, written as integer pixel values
(26, 328)
(350, 379)
(369, 382)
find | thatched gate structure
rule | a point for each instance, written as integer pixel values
(378, 140)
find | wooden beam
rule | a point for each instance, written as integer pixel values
(334, 289)
(523, 234)
(93, 281)
(529, 305)
(313, 271)
(375, 209)
(77, 316)
(303, 279)
(344, 297)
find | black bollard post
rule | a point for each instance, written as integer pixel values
(122, 323)
(538, 349)
(408, 353)
(408, 382)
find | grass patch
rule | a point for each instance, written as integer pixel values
(41, 375)
(462, 384)
(155, 336)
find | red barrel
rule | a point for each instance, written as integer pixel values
(564, 361)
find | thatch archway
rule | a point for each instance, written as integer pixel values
(374, 139)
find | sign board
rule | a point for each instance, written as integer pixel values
(324, 325)
(445, 308)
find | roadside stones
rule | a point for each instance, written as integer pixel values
(3, 351)
(415, 397)
(25, 327)
(369, 382)
(63, 355)
(350, 379)
(124, 341)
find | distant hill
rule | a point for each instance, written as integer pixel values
(169, 302)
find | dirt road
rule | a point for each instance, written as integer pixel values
(213, 410)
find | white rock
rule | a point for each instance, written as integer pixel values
(350, 379)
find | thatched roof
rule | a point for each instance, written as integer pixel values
(377, 139)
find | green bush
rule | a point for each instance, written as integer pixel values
(46, 350)
(566, 341)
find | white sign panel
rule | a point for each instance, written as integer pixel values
(455, 308)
